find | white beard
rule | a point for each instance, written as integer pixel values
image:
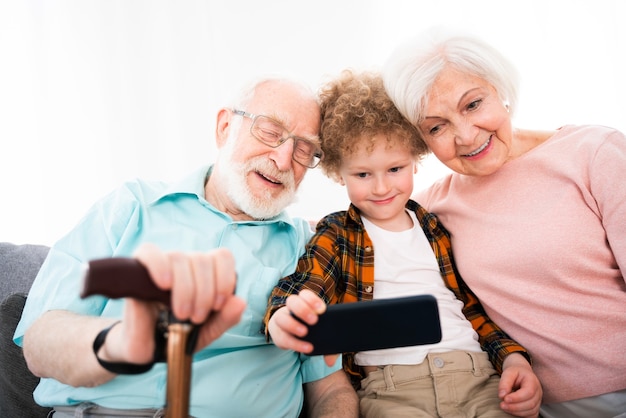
(258, 204)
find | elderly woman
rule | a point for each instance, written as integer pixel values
(537, 218)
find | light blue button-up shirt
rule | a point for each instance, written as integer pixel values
(238, 375)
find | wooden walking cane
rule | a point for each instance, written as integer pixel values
(125, 277)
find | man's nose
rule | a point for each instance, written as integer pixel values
(283, 154)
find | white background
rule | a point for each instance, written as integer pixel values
(96, 92)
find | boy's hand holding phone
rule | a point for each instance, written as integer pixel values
(308, 326)
(287, 325)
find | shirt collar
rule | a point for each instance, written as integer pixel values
(354, 214)
(193, 184)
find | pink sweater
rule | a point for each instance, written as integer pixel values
(542, 242)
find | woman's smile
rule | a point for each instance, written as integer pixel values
(480, 149)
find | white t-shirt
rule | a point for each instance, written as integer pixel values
(405, 265)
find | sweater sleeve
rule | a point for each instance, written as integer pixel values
(607, 172)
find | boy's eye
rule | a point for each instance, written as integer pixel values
(361, 175)
(394, 169)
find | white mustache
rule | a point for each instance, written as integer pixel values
(268, 169)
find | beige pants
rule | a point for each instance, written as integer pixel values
(450, 385)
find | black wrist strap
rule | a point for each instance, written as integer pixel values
(118, 368)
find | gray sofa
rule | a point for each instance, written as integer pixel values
(19, 265)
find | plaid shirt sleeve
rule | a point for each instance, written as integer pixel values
(492, 338)
(323, 268)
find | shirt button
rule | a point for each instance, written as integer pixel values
(438, 362)
(368, 289)
(368, 249)
(234, 226)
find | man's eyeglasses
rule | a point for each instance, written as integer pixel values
(273, 134)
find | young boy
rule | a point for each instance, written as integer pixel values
(384, 246)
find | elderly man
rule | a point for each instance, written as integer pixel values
(221, 225)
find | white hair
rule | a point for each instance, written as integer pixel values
(413, 67)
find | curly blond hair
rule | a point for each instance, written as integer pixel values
(356, 108)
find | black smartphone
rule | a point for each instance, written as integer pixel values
(376, 324)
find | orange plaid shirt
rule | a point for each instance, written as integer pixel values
(338, 265)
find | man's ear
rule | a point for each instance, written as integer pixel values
(222, 127)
